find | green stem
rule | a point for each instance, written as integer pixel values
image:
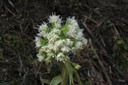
(63, 73)
(69, 72)
(78, 77)
(65, 76)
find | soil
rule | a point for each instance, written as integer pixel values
(105, 24)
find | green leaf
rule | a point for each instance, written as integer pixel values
(87, 83)
(70, 71)
(45, 81)
(66, 24)
(53, 24)
(76, 66)
(64, 30)
(120, 42)
(56, 80)
(94, 57)
(44, 41)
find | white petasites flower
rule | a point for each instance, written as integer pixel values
(65, 49)
(59, 43)
(40, 57)
(79, 33)
(43, 33)
(38, 42)
(72, 32)
(51, 54)
(43, 27)
(78, 45)
(56, 31)
(56, 40)
(69, 42)
(61, 57)
(58, 24)
(52, 37)
(55, 19)
(73, 27)
(85, 41)
(43, 48)
(72, 21)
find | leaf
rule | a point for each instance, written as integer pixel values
(53, 24)
(45, 81)
(44, 41)
(70, 71)
(65, 27)
(120, 42)
(64, 30)
(56, 80)
(87, 83)
(94, 57)
(76, 66)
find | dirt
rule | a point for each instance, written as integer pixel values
(105, 24)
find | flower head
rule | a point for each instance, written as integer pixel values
(40, 57)
(38, 42)
(54, 18)
(57, 41)
(43, 27)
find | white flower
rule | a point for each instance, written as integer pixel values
(54, 18)
(57, 40)
(52, 37)
(72, 32)
(42, 33)
(69, 42)
(51, 54)
(78, 45)
(80, 33)
(50, 46)
(42, 27)
(60, 57)
(65, 49)
(56, 31)
(84, 41)
(55, 48)
(72, 21)
(40, 57)
(58, 24)
(43, 48)
(59, 43)
(38, 42)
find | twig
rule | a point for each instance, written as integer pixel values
(11, 3)
(39, 67)
(9, 10)
(101, 64)
(20, 60)
(116, 31)
(91, 19)
(89, 31)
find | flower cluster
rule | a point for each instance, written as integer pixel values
(56, 41)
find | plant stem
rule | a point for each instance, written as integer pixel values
(65, 76)
(63, 73)
(78, 77)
